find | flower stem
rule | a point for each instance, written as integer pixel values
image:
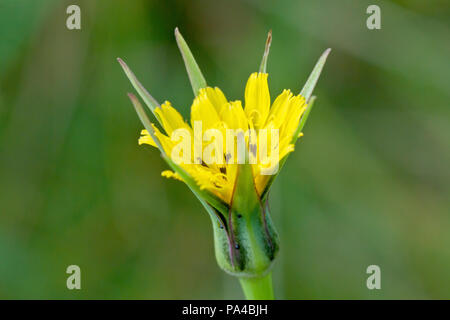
(258, 288)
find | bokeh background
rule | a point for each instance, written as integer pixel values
(368, 184)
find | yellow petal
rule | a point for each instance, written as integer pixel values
(171, 118)
(217, 98)
(146, 139)
(257, 99)
(234, 116)
(295, 109)
(164, 140)
(203, 110)
(212, 180)
(279, 109)
(170, 174)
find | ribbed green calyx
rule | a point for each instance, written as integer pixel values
(246, 241)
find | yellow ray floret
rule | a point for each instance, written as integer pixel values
(214, 111)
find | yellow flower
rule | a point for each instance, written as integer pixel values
(216, 112)
(228, 154)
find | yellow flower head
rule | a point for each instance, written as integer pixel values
(228, 155)
(214, 111)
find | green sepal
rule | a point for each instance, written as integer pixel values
(195, 75)
(303, 119)
(245, 198)
(310, 84)
(252, 243)
(151, 103)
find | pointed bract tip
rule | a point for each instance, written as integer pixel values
(131, 96)
(122, 63)
(314, 76)
(268, 41)
(195, 75)
(263, 66)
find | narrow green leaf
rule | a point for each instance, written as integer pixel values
(151, 103)
(314, 76)
(263, 66)
(195, 75)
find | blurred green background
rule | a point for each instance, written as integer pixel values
(368, 184)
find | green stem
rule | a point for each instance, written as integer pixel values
(258, 288)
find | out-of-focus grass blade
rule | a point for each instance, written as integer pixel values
(148, 99)
(314, 76)
(204, 194)
(195, 75)
(263, 65)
